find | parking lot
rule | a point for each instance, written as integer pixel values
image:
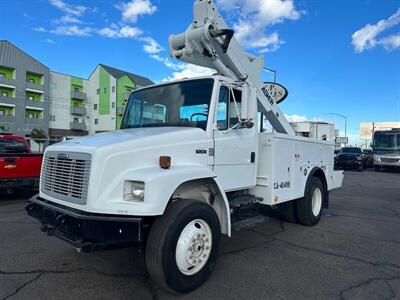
(354, 253)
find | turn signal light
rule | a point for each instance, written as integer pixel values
(165, 162)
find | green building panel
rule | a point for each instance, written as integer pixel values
(77, 103)
(6, 92)
(36, 96)
(8, 72)
(76, 83)
(36, 78)
(104, 96)
(33, 113)
(6, 110)
(124, 84)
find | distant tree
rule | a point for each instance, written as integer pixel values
(4, 128)
(39, 136)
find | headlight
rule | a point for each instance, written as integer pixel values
(359, 158)
(133, 191)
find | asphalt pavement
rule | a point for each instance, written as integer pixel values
(353, 253)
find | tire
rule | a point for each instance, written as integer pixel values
(192, 218)
(377, 168)
(305, 213)
(288, 211)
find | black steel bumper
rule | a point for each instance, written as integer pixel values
(19, 183)
(85, 231)
(348, 164)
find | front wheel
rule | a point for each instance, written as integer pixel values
(183, 245)
(309, 208)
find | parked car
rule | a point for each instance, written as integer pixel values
(19, 167)
(350, 158)
(368, 158)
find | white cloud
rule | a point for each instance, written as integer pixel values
(114, 31)
(367, 37)
(254, 17)
(72, 30)
(132, 10)
(50, 41)
(296, 118)
(39, 29)
(76, 10)
(151, 46)
(168, 63)
(189, 71)
(69, 19)
(391, 42)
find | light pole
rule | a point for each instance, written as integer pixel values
(271, 71)
(345, 123)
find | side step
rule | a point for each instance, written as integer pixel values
(245, 212)
(249, 222)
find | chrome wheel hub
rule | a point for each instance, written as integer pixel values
(194, 247)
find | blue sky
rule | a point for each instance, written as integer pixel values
(333, 56)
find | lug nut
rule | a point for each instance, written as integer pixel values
(203, 235)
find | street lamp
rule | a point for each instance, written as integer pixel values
(345, 123)
(271, 71)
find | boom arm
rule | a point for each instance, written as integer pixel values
(209, 42)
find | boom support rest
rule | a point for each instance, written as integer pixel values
(210, 43)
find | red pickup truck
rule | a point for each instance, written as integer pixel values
(19, 167)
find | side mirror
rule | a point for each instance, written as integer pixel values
(249, 103)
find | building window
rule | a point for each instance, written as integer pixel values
(30, 80)
(4, 94)
(31, 98)
(76, 89)
(2, 75)
(113, 105)
(96, 121)
(105, 90)
(95, 107)
(113, 89)
(98, 91)
(2, 113)
(76, 120)
(52, 118)
(31, 116)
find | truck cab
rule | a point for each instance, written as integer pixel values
(191, 161)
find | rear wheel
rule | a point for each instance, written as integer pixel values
(183, 245)
(309, 208)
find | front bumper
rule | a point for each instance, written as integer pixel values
(19, 183)
(348, 164)
(86, 231)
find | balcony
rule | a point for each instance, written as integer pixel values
(79, 111)
(78, 126)
(7, 119)
(7, 82)
(34, 121)
(79, 95)
(34, 87)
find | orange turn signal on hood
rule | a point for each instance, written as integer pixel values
(165, 162)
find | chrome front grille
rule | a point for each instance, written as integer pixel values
(65, 176)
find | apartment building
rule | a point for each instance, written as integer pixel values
(24, 92)
(32, 96)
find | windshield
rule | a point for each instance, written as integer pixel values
(178, 104)
(11, 146)
(387, 141)
(351, 150)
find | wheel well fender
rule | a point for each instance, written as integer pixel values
(319, 173)
(207, 190)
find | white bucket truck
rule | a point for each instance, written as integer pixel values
(190, 163)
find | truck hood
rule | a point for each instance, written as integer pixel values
(135, 138)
